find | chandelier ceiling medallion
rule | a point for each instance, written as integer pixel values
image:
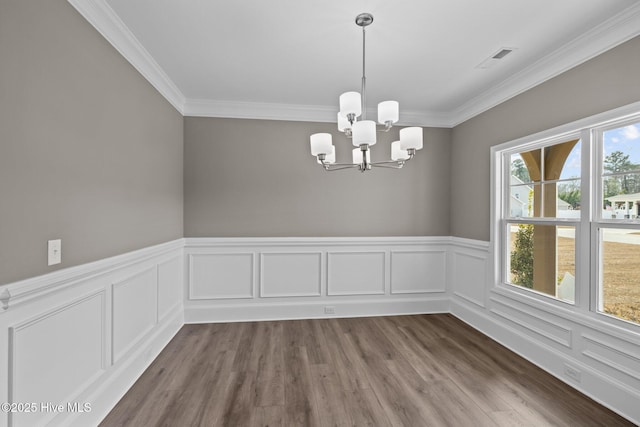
(363, 132)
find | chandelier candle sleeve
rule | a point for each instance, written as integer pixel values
(398, 153)
(411, 138)
(364, 132)
(350, 103)
(320, 143)
(388, 111)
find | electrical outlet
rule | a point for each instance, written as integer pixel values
(54, 251)
(329, 310)
(573, 373)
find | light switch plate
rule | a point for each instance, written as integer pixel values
(55, 251)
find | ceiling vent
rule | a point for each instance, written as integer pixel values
(493, 59)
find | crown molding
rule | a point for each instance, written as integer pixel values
(295, 112)
(258, 110)
(100, 15)
(605, 36)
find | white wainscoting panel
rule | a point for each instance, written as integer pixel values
(415, 272)
(316, 277)
(469, 274)
(620, 357)
(356, 273)
(221, 276)
(84, 334)
(290, 274)
(134, 310)
(169, 286)
(55, 356)
(534, 322)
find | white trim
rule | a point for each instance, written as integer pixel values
(230, 242)
(315, 310)
(103, 18)
(298, 113)
(607, 35)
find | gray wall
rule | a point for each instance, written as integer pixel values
(257, 178)
(89, 151)
(608, 81)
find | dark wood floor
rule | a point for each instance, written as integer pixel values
(430, 370)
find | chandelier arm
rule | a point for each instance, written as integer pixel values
(399, 165)
(388, 162)
(340, 164)
(391, 162)
(336, 167)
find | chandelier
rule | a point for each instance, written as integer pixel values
(362, 132)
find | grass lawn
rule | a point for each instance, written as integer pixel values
(621, 276)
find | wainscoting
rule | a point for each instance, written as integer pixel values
(83, 335)
(301, 278)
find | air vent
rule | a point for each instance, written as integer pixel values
(502, 53)
(493, 59)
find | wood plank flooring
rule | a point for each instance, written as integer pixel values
(428, 370)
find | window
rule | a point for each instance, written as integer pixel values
(567, 215)
(617, 225)
(544, 213)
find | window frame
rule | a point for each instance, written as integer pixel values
(588, 292)
(507, 220)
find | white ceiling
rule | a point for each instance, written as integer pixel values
(291, 59)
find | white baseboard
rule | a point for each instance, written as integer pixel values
(310, 310)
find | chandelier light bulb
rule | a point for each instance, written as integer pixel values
(388, 111)
(398, 153)
(350, 103)
(320, 143)
(411, 138)
(364, 132)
